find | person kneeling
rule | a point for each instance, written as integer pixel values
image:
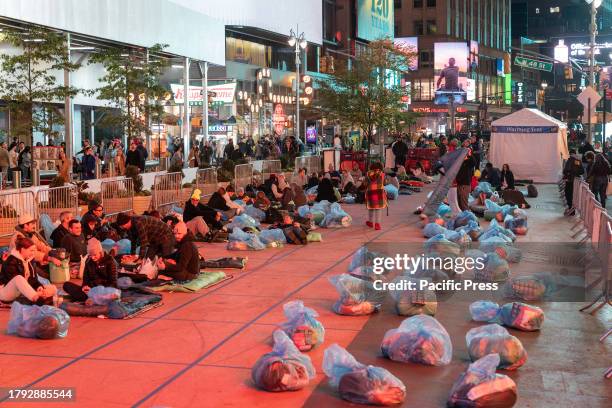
(18, 276)
(184, 264)
(100, 270)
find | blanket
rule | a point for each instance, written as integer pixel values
(203, 281)
(134, 301)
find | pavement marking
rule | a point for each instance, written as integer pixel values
(252, 321)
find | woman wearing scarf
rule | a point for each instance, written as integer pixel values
(376, 196)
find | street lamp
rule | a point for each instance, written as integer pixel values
(593, 29)
(544, 85)
(299, 42)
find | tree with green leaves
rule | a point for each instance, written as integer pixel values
(28, 80)
(366, 92)
(132, 88)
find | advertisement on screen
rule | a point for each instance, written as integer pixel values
(471, 89)
(374, 19)
(410, 44)
(474, 54)
(450, 72)
(311, 134)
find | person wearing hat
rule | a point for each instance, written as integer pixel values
(18, 276)
(197, 215)
(26, 227)
(154, 237)
(100, 270)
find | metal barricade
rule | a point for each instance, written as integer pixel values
(117, 196)
(167, 191)
(56, 200)
(271, 167)
(258, 166)
(14, 203)
(604, 255)
(206, 181)
(243, 175)
(312, 164)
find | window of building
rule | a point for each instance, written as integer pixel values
(397, 3)
(432, 28)
(417, 3)
(426, 59)
(537, 10)
(329, 20)
(418, 27)
(554, 10)
(397, 29)
(431, 3)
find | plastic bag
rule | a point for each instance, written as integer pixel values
(497, 230)
(336, 217)
(312, 191)
(472, 229)
(517, 225)
(442, 246)
(149, 268)
(392, 191)
(530, 288)
(357, 296)
(124, 282)
(249, 241)
(255, 213)
(48, 226)
(303, 211)
(323, 206)
(420, 339)
(108, 244)
(284, 368)
(348, 199)
(101, 295)
(411, 302)
(124, 247)
(432, 229)
(61, 273)
(493, 338)
(496, 269)
(463, 218)
(517, 315)
(444, 210)
(359, 383)
(483, 187)
(480, 386)
(458, 237)
(272, 235)
(243, 221)
(42, 322)
(501, 247)
(304, 330)
(363, 257)
(314, 237)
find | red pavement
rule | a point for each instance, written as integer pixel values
(197, 350)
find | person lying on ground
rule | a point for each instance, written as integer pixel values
(154, 237)
(391, 178)
(100, 270)
(18, 276)
(184, 264)
(26, 227)
(62, 229)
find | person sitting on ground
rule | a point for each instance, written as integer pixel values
(391, 178)
(196, 215)
(152, 235)
(184, 264)
(18, 276)
(62, 229)
(313, 181)
(356, 172)
(217, 201)
(279, 187)
(26, 227)
(93, 219)
(261, 201)
(242, 195)
(100, 270)
(75, 244)
(230, 196)
(333, 174)
(326, 191)
(347, 185)
(507, 178)
(492, 175)
(300, 178)
(402, 175)
(267, 185)
(418, 174)
(299, 198)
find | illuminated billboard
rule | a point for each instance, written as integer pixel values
(450, 71)
(410, 44)
(374, 19)
(474, 54)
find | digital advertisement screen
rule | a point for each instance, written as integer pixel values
(375, 19)
(450, 72)
(311, 134)
(474, 54)
(410, 44)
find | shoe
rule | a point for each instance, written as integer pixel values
(377, 227)
(570, 213)
(369, 224)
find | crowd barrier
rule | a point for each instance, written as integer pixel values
(243, 175)
(167, 191)
(312, 164)
(117, 196)
(54, 201)
(262, 169)
(14, 203)
(206, 181)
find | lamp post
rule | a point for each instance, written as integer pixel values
(544, 86)
(299, 42)
(593, 29)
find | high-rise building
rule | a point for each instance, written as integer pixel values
(481, 31)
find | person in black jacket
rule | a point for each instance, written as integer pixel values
(100, 270)
(599, 176)
(74, 243)
(132, 157)
(18, 276)
(184, 264)
(400, 150)
(199, 217)
(464, 179)
(62, 229)
(490, 174)
(572, 169)
(507, 177)
(325, 191)
(152, 235)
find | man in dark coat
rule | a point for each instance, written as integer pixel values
(132, 157)
(573, 168)
(152, 235)
(184, 264)
(464, 179)
(400, 150)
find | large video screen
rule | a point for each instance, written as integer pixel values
(450, 71)
(375, 19)
(411, 44)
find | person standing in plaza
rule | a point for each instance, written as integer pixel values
(5, 161)
(599, 174)
(464, 178)
(573, 168)
(376, 195)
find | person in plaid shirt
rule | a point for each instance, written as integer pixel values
(154, 236)
(376, 196)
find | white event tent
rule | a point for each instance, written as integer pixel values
(532, 143)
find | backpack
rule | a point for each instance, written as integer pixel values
(532, 191)
(295, 235)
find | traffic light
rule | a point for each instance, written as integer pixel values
(568, 72)
(307, 89)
